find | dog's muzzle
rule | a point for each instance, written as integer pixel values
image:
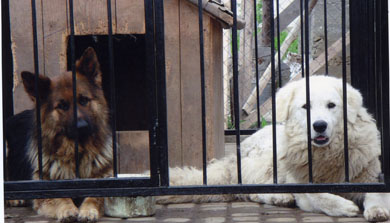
(82, 132)
(320, 128)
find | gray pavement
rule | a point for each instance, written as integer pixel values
(202, 213)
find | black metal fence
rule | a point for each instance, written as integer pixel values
(369, 73)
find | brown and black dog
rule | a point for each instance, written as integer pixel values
(58, 137)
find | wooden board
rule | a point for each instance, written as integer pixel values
(56, 31)
(134, 151)
(172, 62)
(214, 89)
(90, 17)
(190, 85)
(22, 47)
(130, 17)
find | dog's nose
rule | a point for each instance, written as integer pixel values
(320, 126)
(81, 123)
(82, 127)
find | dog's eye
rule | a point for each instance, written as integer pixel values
(83, 100)
(304, 106)
(331, 105)
(63, 105)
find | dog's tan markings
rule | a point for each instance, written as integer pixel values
(91, 209)
(61, 208)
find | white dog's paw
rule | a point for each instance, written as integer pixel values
(346, 208)
(376, 214)
(283, 200)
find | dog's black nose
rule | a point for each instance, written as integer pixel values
(83, 130)
(81, 123)
(83, 127)
(320, 126)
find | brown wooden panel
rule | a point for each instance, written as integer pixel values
(133, 151)
(130, 16)
(22, 47)
(56, 32)
(214, 88)
(172, 61)
(190, 86)
(90, 17)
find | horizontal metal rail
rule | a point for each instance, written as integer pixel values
(116, 190)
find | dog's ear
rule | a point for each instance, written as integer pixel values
(88, 65)
(44, 84)
(283, 100)
(354, 102)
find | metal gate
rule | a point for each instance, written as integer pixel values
(370, 73)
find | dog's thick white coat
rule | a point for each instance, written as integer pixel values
(326, 105)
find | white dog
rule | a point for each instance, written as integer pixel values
(326, 107)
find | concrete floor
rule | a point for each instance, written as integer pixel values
(203, 213)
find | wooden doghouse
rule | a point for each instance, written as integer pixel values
(182, 68)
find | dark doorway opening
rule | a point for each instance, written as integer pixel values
(131, 87)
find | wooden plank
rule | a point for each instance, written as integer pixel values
(131, 16)
(55, 17)
(22, 47)
(190, 86)
(134, 151)
(90, 17)
(213, 76)
(215, 105)
(172, 60)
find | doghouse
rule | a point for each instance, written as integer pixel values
(182, 69)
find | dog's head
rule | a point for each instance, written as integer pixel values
(56, 97)
(326, 106)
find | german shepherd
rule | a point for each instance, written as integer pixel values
(58, 137)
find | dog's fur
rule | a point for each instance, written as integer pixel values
(58, 136)
(292, 154)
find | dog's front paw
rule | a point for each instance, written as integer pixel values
(283, 200)
(347, 208)
(88, 215)
(16, 203)
(68, 214)
(376, 214)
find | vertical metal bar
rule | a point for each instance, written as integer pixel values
(382, 56)
(7, 79)
(202, 80)
(73, 61)
(379, 58)
(308, 107)
(162, 137)
(4, 158)
(150, 74)
(326, 38)
(37, 95)
(257, 66)
(273, 88)
(383, 28)
(278, 40)
(344, 68)
(3, 174)
(112, 86)
(235, 87)
(302, 40)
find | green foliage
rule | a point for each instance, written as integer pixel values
(230, 124)
(259, 11)
(292, 48)
(263, 123)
